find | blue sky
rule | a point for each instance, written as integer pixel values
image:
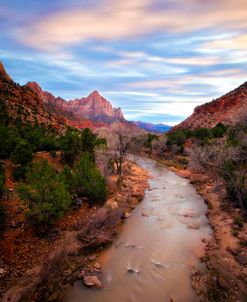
(156, 59)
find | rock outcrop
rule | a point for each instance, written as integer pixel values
(226, 109)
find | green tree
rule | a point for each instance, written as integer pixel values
(87, 181)
(22, 153)
(70, 146)
(45, 193)
(89, 141)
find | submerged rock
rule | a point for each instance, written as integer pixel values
(132, 270)
(92, 281)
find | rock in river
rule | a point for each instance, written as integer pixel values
(92, 281)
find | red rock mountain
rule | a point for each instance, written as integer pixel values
(93, 107)
(225, 109)
(22, 103)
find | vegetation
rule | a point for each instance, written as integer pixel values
(225, 155)
(22, 153)
(74, 143)
(149, 141)
(86, 181)
(45, 194)
(203, 135)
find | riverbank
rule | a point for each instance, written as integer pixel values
(226, 253)
(35, 269)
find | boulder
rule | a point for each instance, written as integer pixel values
(184, 173)
(97, 266)
(92, 281)
(198, 178)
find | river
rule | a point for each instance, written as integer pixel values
(159, 245)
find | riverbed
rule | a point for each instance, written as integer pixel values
(158, 247)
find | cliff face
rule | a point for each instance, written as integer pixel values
(225, 109)
(94, 107)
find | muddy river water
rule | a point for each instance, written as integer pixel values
(159, 245)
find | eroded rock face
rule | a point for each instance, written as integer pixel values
(225, 109)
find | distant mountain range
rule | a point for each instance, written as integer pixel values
(156, 128)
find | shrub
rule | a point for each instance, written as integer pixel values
(219, 130)
(235, 180)
(176, 137)
(87, 181)
(201, 133)
(45, 193)
(22, 153)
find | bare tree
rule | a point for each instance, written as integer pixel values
(124, 145)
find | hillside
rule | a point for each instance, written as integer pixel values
(225, 109)
(24, 105)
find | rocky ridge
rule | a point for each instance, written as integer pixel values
(226, 109)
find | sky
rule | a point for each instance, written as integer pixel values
(156, 59)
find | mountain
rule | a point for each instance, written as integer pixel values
(23, 104)
(94, 107)
(225, 109)
(150, 127)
